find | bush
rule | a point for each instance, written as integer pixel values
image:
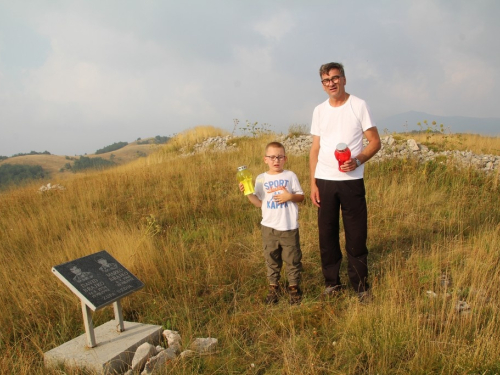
(32, 153)
(113, 147)
(16, 174)
(90, 163)
(161, 140)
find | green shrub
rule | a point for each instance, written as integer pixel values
(17, 174)
(115, 146)
(91, 163)
(32, 153)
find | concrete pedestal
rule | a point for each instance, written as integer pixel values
(113, 353)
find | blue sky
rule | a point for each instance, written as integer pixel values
(76, 76)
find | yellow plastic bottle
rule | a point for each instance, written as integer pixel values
(245, 177)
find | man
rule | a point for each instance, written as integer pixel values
(343, 118)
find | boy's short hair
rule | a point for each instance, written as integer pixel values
(277, 145)
(325, 68)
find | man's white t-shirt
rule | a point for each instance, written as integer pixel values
(334, 125)
(274, 215)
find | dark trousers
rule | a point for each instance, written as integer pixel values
(348, 197)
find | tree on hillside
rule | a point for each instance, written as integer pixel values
(15, 174)
(113, 147)
(160, 140)
(32, 153)
(90, 163)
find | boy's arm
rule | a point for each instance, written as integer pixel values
(254, 200)
(286, 196)
(251, 197)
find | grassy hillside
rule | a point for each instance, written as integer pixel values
(54, 163)
(181, 226)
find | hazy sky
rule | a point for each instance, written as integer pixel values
(76, 76)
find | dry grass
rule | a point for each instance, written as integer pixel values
(182, 226)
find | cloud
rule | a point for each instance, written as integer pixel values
(91, 73)
(276, 26)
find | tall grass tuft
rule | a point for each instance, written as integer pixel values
(181, 226)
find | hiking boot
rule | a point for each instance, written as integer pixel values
(365, 297)
(331, 291)
(295, 294)
(273, 294)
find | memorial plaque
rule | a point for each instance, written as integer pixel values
(97, 279)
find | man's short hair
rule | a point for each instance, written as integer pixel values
(325, 68)
(277, 145)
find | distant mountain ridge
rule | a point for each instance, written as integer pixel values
(458, 124)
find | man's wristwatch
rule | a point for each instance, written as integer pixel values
(358, 163)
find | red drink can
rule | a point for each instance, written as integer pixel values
(342, 154)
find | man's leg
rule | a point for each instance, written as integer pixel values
(328, 225)
(355, 218)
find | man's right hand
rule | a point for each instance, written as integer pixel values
(313, 162)
(315, 195)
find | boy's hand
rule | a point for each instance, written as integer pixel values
(283, 197)
(242, 188)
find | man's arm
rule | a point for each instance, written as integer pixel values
(368, 152)
(313, 162)
(373, 146)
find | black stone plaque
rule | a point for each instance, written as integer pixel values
(97, 279)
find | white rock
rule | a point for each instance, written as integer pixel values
(412, 145)
(187, 354)
(158, 362)
(159, 349)
(431, 294)
(445, 280)
(142, 354)
(204, 345)
(462, 306)
(173, 339)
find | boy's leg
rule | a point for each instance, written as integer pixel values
(272, 254)
(292, 255)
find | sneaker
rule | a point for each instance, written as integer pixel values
(365, 297)
(331, 291)
(295, 294)
(273, 294)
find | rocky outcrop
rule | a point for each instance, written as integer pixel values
(155, 360)
(50, 187)
(213, 144)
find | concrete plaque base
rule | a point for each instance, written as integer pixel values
(113, 353)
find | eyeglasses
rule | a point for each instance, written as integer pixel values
(327, 81)
(273, 158)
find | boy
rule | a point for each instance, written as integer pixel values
(277, 192)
